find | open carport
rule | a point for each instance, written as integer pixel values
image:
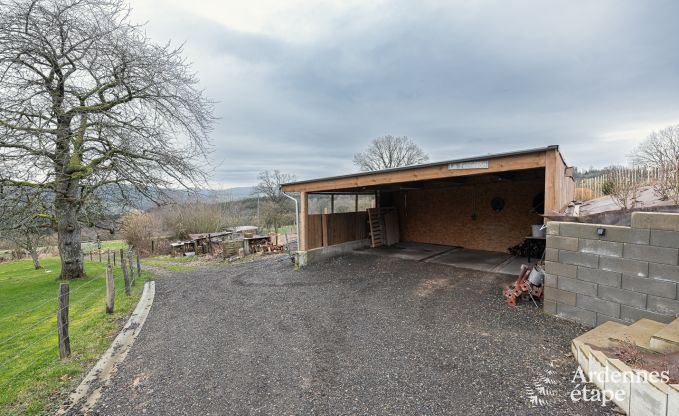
(459, 211)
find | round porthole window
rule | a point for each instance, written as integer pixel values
(497, 204)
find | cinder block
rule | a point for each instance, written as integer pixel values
(602, 277)
(577, 286)
(656, 220)
(549, 306)
(561, 269)
(626, 234)
(550, 280)
(553, 228)
(662, 305)
(573, 313)
(655, 287)
(663, 271)
(551, 254)
(663, 238)
(618, 382)
(673, 400)
(601, 319)
(597, 369)
(651, 254)
(624, 266)
(559, 296)
(630, 314)
(579, 259)
(648, 398)
(562, 243)
(598, 305)
(604, 248)
(578, 230)
(625, 297)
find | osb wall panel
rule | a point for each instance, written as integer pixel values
(336, 228)
(444, 216)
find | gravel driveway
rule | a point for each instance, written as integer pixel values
(357, 335)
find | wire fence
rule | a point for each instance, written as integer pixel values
(32, 336)
(600, 185)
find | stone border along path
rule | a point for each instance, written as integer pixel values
(89, 390)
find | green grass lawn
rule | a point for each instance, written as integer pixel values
(32, 378)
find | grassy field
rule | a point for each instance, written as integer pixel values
(32, 378)
(105, 245)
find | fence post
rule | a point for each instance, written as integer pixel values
(138, 266)
(91, 256)
(121, 254)
(108, 256)
(126, 277)
(110, 289)
(130, 260)
(100, 256)
(62, 321)
(153, 244)
(114, 257)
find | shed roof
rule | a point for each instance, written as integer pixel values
(430, 170)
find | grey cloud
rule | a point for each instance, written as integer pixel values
(459, 80)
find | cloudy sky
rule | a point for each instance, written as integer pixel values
(302, 85)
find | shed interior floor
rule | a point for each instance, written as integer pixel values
(489, 261)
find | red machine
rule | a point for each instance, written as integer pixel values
(528, 286)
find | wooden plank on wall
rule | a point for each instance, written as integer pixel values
(500, 164)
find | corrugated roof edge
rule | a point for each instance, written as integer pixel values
(467, 159)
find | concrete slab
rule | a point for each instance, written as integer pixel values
(410, 250)
(472, 259)
(667, 339)
(489, 261)
(640, 333)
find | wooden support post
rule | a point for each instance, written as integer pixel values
(62, 322)
(209, 243)
(121, 254)
(153, 246)
(114, 257)
(303, 210)
(108, 256)
(110, 289)
(91, 256)
(126, 277)
(130, 260)
(138, 266)
(100, 256)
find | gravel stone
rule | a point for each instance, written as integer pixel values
(356, 335)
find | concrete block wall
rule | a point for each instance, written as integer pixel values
(626, 274)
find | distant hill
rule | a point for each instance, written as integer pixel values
(229, 194)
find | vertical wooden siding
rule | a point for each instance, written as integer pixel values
(331, 229)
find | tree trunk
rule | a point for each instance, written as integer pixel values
(36, 260)
(68, 228)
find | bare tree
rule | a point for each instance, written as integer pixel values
(624, 187)
(24, 219)
(88, 102)
(277, 206)
(660, 151)
(390, 152)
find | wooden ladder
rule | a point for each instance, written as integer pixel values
(376, 231)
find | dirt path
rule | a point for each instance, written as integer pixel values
(360, 335)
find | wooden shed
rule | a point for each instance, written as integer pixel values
(486, 203)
